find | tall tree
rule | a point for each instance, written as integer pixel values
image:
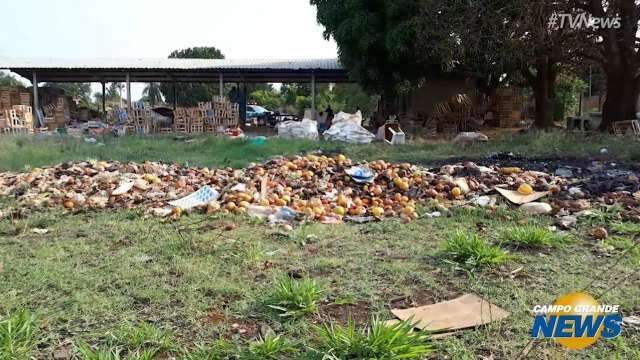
(153, 93)
(376, 42)
(616, 49)
(386, 43)
(114, 92)
(500, 40)
(191, 94)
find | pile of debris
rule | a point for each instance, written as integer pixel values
(327, 189)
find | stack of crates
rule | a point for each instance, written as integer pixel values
(508, 104)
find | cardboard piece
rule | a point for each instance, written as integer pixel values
(449, 316)
(519, 199)
(124, 187)
(433, 336)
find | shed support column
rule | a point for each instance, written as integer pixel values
(175, 95)
(104, 102)
(313, 93)
(221, 84)
(128, 91)
(35, 98)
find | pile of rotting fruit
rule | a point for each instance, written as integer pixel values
(313, 186)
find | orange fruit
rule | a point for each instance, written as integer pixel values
(377, 211)
(339, 210)
(525, 189)
(69, 204)
(456, 191)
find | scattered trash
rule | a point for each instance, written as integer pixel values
(361, 174)
(564, 172)
(518, 198)
(631, 322)
(199, 198)
(577, 192)
(261, 212)
(39, 231)
(536, 208)
(464, 312)
(349, 132)
(317, 187)
(124, 187)
(468, 138)
(391, 133)
(305, 129)
(360, 219)
(162, 212)
(258, 140)
(342, 116)
(462, 184)
(435, 214)
(484, 201)
(284, 214)
(567, 222)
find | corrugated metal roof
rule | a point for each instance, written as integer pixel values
(170, 64)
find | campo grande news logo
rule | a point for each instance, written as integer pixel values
(576, 321)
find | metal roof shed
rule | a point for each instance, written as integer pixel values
(105, 70)
(179, 70)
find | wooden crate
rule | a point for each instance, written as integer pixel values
(25, 99)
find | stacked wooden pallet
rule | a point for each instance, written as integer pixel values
(180, 120)
(5, 98)
(142, 121)
(452, 114)
(25, 98)
(508, 103)
(196, 121)
(225, 113)
(18, 119)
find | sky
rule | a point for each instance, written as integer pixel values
(241, 29)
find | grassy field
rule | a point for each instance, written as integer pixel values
(207, 287)
(18, 152)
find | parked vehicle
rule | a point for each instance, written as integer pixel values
(260, 114)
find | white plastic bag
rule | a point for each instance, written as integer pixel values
(350, 132)
(305, 129)
(346, 117)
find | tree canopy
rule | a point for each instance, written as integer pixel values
(8, 80)
(376, 42)
(192, 93)
(390, 44)
(82, 91)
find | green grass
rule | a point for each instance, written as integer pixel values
(375, 341)
(272, 347)
(85, 352)
(142, 336)
(532, 236)
(626, 228)
(18, 152)
(219, 350)
(98, 274)
(17, 335)
(472, 252)
(97, 277)
(293, 297)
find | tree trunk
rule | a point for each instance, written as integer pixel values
(386, 108)
(622, 95)
(544, 90)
